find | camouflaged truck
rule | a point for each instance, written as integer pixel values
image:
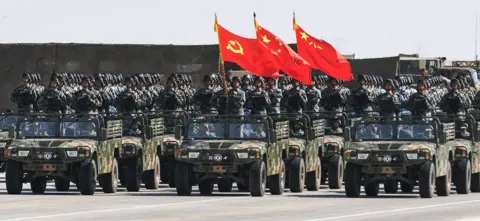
(65, 148)
(170, 144)
(386, 150)
(247, 150)
(6, 120)
(331, 153)
(137, 157)
(302, 161)
(464, 156)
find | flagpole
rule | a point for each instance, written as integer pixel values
(222, 63)
(294, 22)
(255, 24)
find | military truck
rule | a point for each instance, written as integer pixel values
(464, 156)
(245, 149)
(331, 153)
(386, 150)
(137, 157)
(303, 165)
(66, 148)
(170, 144)
(6, 119)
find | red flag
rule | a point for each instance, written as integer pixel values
(288, 60)
(322, 56)
(248, 53)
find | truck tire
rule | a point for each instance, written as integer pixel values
(182, 179)
(297, 175)
(151, 178)
(38, 185)
(276, 183)
(110, 180)
(258, 178)
(372, 189)
(206, 187)
(87, 177)
(61, 184)
(406, 187)
(463, 176)
(313, 178)
(426, 180)
(172, 172)
(241, 187)
(225, 185)
(335, 172)
(353, 180)
(443, 184)
(390, 186)
(13, 177)
(134, 172)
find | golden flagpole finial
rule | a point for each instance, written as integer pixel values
(215, 26)
(294, 22)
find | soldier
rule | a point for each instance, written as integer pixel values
(314, 96)
(275, 94)
(390, 102)
(258, 100)
(205, 97)
(362, 99)
(53, 100)
(297, 98)
(25, 95)
(172, 99)
(85, 100)
(101, 85)
(335, 99)
(236, 98)
(419, 103)
(129, 100)
(247, 81)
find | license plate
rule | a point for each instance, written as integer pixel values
(387, 170)
(48, 167)
(219, 169)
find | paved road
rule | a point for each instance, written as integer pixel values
(164, 204)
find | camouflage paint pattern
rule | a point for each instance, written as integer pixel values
(333, 139)
(472, 151)
(106, 149)
(274, 156)
(441, 153)
(310, 149)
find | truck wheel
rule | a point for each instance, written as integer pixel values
(390, 186)
(134, 175)
(62, 184)
(241, 187)
(324, 175)
(353, 180)
(87, 177)
(444, 184)
(258, 178)
(406, 187)
(313, 178)
(151, 178)
(426, 180)
(164, 172)
(277, 182)
(463, 175)
(13, 177)
(122, 175)
(475, 183)
(225, 185)
(182, 179)
(171, 173)
(110, 180)
(297, 175)
(206, 187)
(38, 185)
(372, 188)
(335, 172)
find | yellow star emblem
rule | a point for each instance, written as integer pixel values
(304, 35)
(265, 39)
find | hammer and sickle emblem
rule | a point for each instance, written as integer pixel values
(235, 47)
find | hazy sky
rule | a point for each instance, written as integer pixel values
(368, 28)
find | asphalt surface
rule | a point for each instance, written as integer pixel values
(164, 204)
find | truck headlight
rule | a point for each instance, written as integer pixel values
(242, 155)
(412, 156)
(72, 153)
(193, 154)
(362, 156)
(23, 153)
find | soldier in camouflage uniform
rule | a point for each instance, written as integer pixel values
(390, 102)
(25, 95)
(420, 104)
(258, 100)
(205, 97)
(314, 96)
(297, 98)
(247, 81)
(276, 96)
(53, 100)
(172, 99)
(363, 98)
(129, 100)
(85, 100)
(335, 100)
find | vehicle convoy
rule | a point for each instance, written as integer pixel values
(331, 152)
(6, 119)
(170, 144)
(302, 161)
(244, 149)
(137, 157)
(464, 156)
(66, 148)
(387, 150)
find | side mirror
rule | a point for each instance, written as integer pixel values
(104, 134)
(178, 132)
(346, 134)
(12, 132)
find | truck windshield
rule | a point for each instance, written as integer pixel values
(37, 129)
(206, 130)
(7, 121)
(246, 131)
(374, 132)
(78, 129)
(415, 132)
